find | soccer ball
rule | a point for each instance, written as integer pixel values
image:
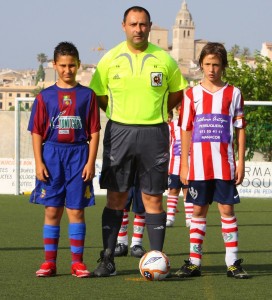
(154, 265)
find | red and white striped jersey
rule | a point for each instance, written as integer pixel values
(175, 147)
(212, 117)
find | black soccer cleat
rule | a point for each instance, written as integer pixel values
(237, 271)
(121, 250)
(137, 251)
(188, 270)
(106, 265)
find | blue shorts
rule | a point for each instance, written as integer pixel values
(65, 186)
(202, 192)
(175, 183)
(135, 200)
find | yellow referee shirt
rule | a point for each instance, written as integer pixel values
(137, 85)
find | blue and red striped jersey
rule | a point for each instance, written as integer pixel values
(65, 115)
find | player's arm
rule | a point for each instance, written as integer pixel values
(41, 171)
(102, 102)
(185, 148)
(174, 99)
(241, 148)
(89, 169)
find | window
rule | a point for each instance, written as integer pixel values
(27, 95)
(1, 96)
(10, 94)
(27, 106)
(18, 95)
(10, 104)
(1, 105)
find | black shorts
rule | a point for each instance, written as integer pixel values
(131, 149)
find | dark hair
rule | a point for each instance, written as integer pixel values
(136, 8)
(66, 48)
(217, 49)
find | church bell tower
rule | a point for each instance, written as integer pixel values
(183, 46)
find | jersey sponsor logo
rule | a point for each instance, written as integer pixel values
(65, 131)
(67, 100)
(212, 128)
(67, 122)
(156, 79)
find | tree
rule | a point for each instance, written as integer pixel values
(255, 84)
(40, 74)
(235, 50)
(42, 58)
(245, 53)
(37, 91)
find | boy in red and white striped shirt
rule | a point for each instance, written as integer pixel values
(174, 183)
(209, 113)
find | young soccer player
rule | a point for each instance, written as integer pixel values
(134, 203)
(209, 113)
(174, 183)
(65, 127)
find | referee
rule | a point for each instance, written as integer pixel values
(136, 84)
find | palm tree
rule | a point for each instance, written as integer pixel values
(235, 50)
(42, 58)
(245, 52)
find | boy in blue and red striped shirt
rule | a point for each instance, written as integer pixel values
(65, 127)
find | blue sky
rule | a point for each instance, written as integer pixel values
(34, 26)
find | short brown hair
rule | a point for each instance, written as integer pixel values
(217, 49)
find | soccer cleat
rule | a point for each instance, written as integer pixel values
(237, 271)
(188, 270)
(169, 223)
(106, 265)
(121, 250)
(47, 269)
(79, 269)
(137, 251)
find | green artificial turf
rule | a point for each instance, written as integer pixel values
(21, 253)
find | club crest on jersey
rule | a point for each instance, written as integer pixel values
(156, 79)
(67, 100)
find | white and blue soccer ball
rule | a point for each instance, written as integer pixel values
(154, 265)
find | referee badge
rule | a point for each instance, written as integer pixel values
(156, 79)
